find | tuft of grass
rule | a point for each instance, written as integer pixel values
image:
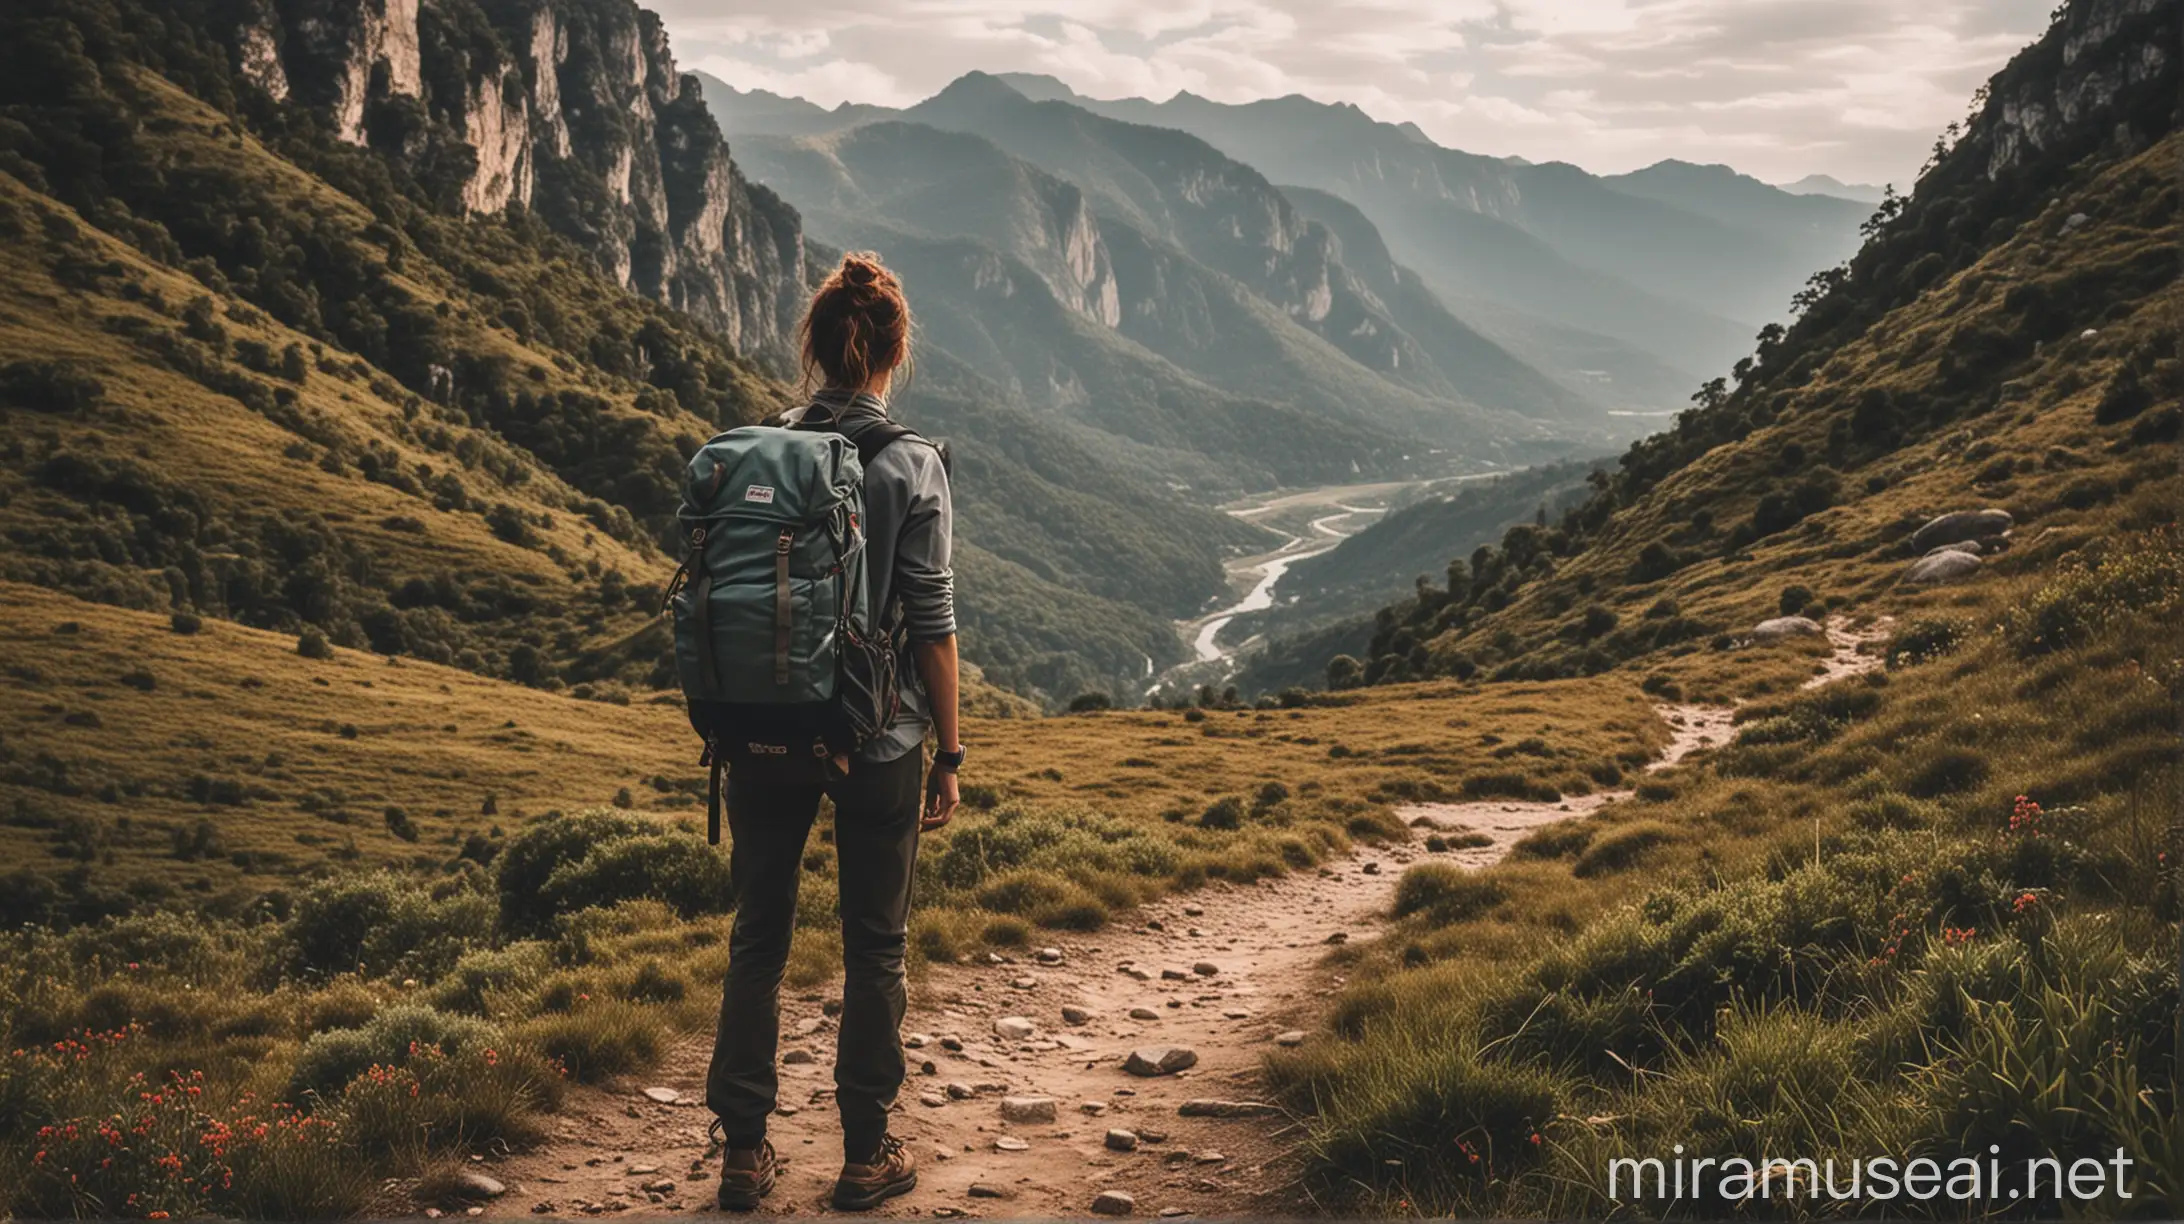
(596, 1040)
(1445, 894)
(1621, 848)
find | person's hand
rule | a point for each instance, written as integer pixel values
(942, 794)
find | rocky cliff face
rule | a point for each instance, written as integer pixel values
(571, 108)
(2103, 55)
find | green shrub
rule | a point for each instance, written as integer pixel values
(687, 874)
(1620, 848)
(601, 858)
(313, 645)
(1446, 894)
(488, 971)
(1925, 639)
(333, 1058)
(1006, 931)
(381, 923)
(2140, 575)
(1022, 892)
(1945, 770)
(1561, 840)
(440, 1101)
(1226, 812)
(597, 1040)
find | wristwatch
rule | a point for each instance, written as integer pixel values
(950, 761)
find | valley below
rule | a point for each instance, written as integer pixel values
(1315, 520)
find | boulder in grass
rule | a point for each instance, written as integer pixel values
(1942, 567)
(471, 1184)
(1777, 628)
(1961, 525)
(1973, 547)
(1160, 1060)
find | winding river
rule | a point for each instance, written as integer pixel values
(1314, 520)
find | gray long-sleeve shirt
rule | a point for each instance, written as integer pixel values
(909, 530)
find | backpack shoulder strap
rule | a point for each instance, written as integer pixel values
(870, 435)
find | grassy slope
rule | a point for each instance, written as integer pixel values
(231, 781)
(248, 466)
(313, 751)
(1774, 935)
(2070, 478)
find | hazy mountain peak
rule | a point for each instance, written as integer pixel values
(1038, 86)
(980, 89)
(1823, 184)
(719, 92)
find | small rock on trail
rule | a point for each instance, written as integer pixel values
(1028, 1109)
(1073, 1014)
(1160, 1060)
(1113, 1203)
(1294, 1037)
(1014, 1028)
(1120, 1140)
(664, 1096)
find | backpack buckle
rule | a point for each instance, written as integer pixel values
(781, 545)
(697, 536)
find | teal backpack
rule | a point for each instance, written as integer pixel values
(777, 648)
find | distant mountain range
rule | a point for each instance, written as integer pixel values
(1821, 184)
(1139, 281)
(1626, 291)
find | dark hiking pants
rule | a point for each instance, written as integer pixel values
(771, 806)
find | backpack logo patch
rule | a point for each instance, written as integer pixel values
(762, 494)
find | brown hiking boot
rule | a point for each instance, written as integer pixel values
(746, 1176)
(862, 1187)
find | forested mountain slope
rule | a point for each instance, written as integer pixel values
(431, 285)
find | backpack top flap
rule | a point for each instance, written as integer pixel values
(764, 472)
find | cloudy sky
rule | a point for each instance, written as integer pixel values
(1777, 88)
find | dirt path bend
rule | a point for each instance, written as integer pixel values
(1223, 972)
(1851, 652)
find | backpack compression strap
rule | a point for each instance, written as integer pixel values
(784, 619)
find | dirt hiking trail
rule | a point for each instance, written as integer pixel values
(1224, 972)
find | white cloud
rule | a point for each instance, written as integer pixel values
(1778, 88)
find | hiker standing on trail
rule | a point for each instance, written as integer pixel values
(861, 633)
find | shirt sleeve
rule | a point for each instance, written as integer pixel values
(924, 550)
